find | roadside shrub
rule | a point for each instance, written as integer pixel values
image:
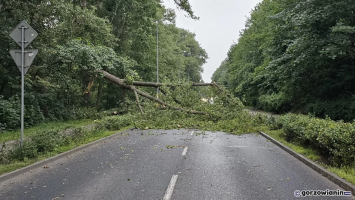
(272, 123)
(294, 128)
(4, 158)
(336, 140)
(114, 122)
(28, 150)
(46, 141)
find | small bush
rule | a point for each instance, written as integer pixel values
(28, 150)
(46, 141)
(4, 158)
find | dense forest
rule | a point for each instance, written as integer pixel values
(76, 37)
(295, 55)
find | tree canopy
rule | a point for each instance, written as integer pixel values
(295, 55)
(78, 36)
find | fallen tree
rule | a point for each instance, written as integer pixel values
(152, 84)
(123, 84)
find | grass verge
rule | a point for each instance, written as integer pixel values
(14, 165)
(52, 126)
(347, 172)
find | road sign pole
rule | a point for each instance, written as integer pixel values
(22, 80)
(23, 35)
(157, 58)
(179, 70)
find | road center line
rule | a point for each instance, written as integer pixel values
(250, 147)
(237, 146)
(184, 151)
(170, 189)
(192, 132)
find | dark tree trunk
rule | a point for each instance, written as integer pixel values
(99, 90)
(3, 85)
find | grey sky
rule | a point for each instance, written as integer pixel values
(219, 25)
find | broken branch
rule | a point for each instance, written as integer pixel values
(139, 105)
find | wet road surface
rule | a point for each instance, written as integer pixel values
(171, 164)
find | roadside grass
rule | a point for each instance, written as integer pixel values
(17, 165)
(14, 165)
(346, 172)
(51, 126)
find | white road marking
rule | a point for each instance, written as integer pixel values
(237, 146)
(184, 151)
(192, 132)
(251, 147)
(170, 189)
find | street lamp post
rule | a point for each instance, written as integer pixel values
(157, 58)
(180, 66)
(179, 70)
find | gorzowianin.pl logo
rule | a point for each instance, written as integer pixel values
(327, 192)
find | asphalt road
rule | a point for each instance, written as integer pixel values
(175, 164)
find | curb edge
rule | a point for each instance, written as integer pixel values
(20, 171)
(329, 175)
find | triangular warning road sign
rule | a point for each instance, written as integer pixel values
(25, 68)
(29, 56)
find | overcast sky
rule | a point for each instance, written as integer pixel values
(219, 25)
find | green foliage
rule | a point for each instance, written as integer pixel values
(41, 143)
(224, 114)
(342, 108)
(77, 38)
(295, 55)
(9, 113)
(115, 123)
(245, 123)
(185, 5)
(131, 76)
(47, 142)
(27, 151)
(332, 139)
(274, 102)
(220, 76)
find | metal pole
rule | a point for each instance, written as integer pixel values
(157, 58)
(179, 70)
(22, 80)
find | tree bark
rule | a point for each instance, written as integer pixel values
(139, 105)
(152, 84)
(99, 88)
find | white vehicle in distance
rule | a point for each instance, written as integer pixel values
(210, 100)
